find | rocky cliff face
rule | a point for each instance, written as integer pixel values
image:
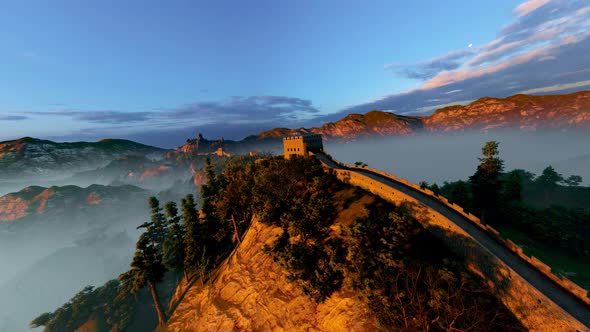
(250, 292)
(353, 126)
(519, 111)
(523, 112)
(374, 123)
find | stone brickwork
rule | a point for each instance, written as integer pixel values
(302, 145)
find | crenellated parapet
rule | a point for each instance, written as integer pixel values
(302, 145)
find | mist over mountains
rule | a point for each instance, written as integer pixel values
(569, 112)
(56, 240)
(440, 157)
(68, 211)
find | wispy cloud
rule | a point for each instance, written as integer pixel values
(107, 117)
(246, 109)
(449, 77)
(543, 27)
(544, 49)
(557, 87)
(32, 56)
(529, 6)
(429, 69)
(11, 117)
(235, 110)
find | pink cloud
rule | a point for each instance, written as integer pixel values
(449, 77)
(483, 57)
(529, 6)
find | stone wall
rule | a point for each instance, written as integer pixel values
(533, 308)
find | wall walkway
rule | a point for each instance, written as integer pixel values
(538, 298)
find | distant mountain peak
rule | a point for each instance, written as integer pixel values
(30, 156)
(571, 111)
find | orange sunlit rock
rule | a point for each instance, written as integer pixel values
(11, 209)
(93, 199)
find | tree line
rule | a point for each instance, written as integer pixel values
(551, 208)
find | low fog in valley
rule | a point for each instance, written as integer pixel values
(46, 258)
(451, 157)
(75, 228)
(79, 228)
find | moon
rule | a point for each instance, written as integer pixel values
(469, 45)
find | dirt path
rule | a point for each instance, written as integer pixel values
(563, 298)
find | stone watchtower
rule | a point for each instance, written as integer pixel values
(302, 144)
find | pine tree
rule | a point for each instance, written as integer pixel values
(549, 180)
(512, 187)
(157, 226)
(459, 194)
(435, 189)
(213, 226)
(193, 236)
(485, 183)
(147, 267)
(573, 180)
(174, 251)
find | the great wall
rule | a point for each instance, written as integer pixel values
(537, 297)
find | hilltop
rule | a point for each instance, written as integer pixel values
(31, 157)
(352, 126)
(284, 245)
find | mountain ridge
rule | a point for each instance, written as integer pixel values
(520, 111)
(32, 157)
(34, 201)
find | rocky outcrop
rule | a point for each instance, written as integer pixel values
(354, 126)
(374, 123)
(250, 292)
(523, 112)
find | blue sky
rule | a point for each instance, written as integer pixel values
(158, 71)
